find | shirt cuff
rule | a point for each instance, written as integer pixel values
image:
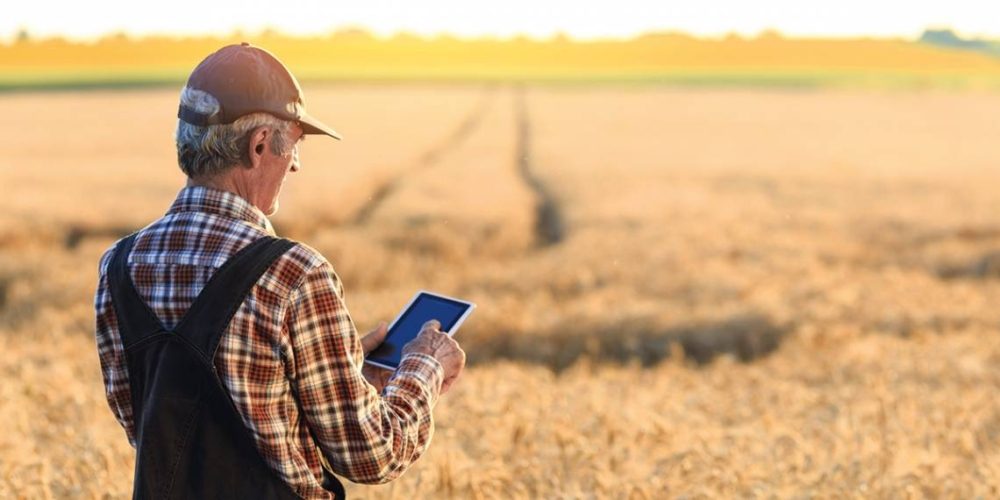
(425, 368)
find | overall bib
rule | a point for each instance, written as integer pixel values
(191, 442)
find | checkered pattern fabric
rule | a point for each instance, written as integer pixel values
(290, 358)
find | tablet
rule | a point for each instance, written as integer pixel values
(424, 307)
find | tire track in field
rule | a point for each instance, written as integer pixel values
(429, 158)
(549, 227)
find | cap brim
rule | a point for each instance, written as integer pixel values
(311, 125)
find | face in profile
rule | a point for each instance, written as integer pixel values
(276, 167)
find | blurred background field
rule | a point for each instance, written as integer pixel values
(937, 58)
(747, 287)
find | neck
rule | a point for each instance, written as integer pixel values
(231, 181)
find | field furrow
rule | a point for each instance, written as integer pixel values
(466, 207)
(428, 159)
(549, 228)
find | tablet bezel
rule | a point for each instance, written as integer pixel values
(461, 319)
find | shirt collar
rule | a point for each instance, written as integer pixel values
(219, 202)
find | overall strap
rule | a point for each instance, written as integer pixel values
(135, 320)
(209, 315)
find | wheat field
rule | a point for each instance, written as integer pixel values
(683, 293)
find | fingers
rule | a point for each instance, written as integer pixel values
(446, 384)
(455, 365)
(433, 342)
(374, 338)
(449, 381)
(432, 326)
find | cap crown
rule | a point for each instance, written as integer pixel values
(244, 79)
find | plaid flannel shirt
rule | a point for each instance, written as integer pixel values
(290, 358)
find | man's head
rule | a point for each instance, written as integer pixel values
(242, 118)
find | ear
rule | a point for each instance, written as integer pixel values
(259, 144)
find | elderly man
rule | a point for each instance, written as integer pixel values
(228, 354)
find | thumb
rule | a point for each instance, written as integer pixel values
(374, 338)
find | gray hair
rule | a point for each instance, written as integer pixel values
(214, 149)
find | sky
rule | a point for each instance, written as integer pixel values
(583, 19)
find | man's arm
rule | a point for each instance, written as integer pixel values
(366, 437)
(109, 349)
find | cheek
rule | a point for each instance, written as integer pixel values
(280, 170)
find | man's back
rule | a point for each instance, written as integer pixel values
(191, 442)
(290, 358)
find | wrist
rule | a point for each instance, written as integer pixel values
(425, 367)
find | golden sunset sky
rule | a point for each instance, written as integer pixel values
(578, 19)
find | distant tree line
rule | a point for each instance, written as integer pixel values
(948, 38)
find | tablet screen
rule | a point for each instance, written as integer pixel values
(423, 309)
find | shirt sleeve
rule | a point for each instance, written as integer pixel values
(109, 349)
(365, 436)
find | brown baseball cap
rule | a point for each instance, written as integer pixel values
(247, 79)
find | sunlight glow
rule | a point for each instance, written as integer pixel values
(578, 19)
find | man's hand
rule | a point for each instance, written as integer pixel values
(374, 338)
(441, 346)
(375, 375)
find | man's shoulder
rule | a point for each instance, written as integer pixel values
(305, 256)
(105, 261)
(102, 266)
(297, 262)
